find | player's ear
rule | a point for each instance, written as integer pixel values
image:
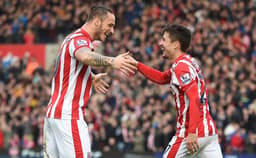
(177, 44)
(97, 22)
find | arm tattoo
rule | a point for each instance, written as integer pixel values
(95, 59)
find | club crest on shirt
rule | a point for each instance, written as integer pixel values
(81, 43)
(185, 79)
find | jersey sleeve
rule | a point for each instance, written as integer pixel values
(153, 74)
(184, 76)
(78, 42)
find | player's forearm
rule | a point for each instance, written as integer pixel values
(194, 108)
(94, 59)
(153, 74)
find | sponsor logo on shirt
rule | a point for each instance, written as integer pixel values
(81, 43)
(185, 79)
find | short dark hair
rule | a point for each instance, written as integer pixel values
(98, 11)
(178, 33)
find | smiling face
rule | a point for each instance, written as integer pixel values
(104, 27)
(168, 47)
(175, 41)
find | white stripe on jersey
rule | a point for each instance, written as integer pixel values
(81, 99)
(177, 102)
(60, 80)
(75, 35)
(50, 103)
(206, 131)
(182, 130)
(174, 78)
(213, 129)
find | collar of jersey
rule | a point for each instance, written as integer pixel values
(86, 34)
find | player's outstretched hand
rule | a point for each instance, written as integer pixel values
(132, 59)
(125, 64)
(191, 143)
(99, 84)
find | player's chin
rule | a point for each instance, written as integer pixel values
(165, 56)
(103, 38)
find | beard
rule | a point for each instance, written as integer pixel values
(98, 35)
(99, 32)
(165, 57)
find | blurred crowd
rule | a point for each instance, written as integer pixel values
(135, 115)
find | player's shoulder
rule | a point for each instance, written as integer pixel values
(77, 35)
(185, 63)
(183, 70)
(79, 39)
(181, 64)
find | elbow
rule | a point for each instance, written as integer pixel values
(83, 59)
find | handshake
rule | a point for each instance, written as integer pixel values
(123, 62)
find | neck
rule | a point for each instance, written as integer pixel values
(89, 29)
(178, 53)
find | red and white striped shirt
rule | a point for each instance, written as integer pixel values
(71, 83)
(184, 72)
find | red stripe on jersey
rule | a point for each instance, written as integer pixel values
(186, 123)
(87, 93)
(76, 139)
(201, 124)
(175, 147)
(65, 83)
(75, 101)
(76, 65)
(49, 114)
(208, 116)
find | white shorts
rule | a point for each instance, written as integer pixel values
(66, 138)
(208, 148)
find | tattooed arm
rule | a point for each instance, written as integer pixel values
(121, 62)
(86, 56)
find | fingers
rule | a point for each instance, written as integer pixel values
(103, 74)
(196, 146)
(126, 64)
(105, 83)
(192, 147)
(129, 67)
(125, 54)
(132, 61)
(125, 72)
(101, 89)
